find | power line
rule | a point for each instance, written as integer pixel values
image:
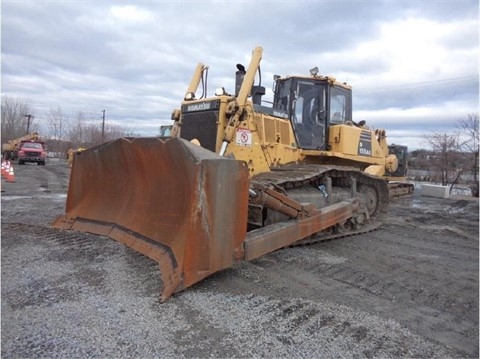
(68, 111)
(418, 85)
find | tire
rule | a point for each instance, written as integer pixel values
(20, 162)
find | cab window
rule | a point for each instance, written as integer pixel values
(339, 106)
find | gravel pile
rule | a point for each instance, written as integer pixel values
(64, 301)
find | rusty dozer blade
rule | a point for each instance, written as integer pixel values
(171, 200)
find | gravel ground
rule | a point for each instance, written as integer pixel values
(409, 289)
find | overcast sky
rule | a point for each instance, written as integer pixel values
(413, 65)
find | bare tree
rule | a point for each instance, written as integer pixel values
(14, 120)
(77, 134)
(111, 132)
(56, 122)
(445, 157)
(56, 130)
(470, 145)
(87, 132)
(64, 131)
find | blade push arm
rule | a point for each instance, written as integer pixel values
(193, 86)
(242, 98)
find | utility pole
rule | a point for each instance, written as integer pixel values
(103, 126)
(29, 117)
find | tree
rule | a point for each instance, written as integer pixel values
(113, 132)
(470, 146)
(14, 121)
(77, 134)
(445, 159)
(56, 122)
(87, 132)
(64, 130)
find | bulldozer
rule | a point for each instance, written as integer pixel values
(398, 184)
(236, 179)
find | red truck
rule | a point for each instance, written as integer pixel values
(32, 151)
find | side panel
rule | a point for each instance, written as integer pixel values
(357, 142)
(269, 142)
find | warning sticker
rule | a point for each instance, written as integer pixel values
(243, 137)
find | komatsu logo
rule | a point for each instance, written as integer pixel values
(199, 106)
(280, 114)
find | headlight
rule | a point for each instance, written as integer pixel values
(189, 96)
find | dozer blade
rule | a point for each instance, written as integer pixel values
(173, 201)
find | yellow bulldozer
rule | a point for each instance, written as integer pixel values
(236, 179)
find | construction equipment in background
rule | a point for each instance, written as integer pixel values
(237, 179)
(10, 149)
(166, 130)
(398, 185)
(32, 151)
(71, 152)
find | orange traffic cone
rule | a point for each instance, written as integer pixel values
(11, 175)
(3, 168)
(7, 169)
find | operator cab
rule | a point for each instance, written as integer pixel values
(313, 104)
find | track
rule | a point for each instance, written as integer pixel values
(372, 192)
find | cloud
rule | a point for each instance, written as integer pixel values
(413, 61)
(130, 14)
